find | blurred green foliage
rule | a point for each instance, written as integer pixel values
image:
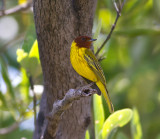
(30, 62)
(105, 129)
(131, 67)
(135, 125)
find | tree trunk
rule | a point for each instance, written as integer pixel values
(58, 23)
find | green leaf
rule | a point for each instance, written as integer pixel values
(6, 78)
(28, 114)
(22, 2)
(136, 125)
(21, 55)
(121, 135)
(23, 59)
(24, 86)
(98, 115)
(87, 136)
(117, 119)
(34, 50)
(3, 100)
(34, 67)
(133, 32)
(30, 61)
(29, 39)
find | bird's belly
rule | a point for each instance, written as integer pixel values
(81, 67)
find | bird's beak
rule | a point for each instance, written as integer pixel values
(91, 40)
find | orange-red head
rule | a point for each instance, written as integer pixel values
(84, 41)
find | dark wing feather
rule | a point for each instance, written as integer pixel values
(94, 65)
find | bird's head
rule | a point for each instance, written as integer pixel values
(84, 41)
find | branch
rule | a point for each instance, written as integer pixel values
(11, 43)
(9, 129)
(118, 10)
(60, 106)
(16, 9)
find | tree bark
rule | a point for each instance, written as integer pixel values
(58, 23)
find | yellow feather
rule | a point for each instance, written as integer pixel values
(85, 64)
(106, 96)
(79, 63)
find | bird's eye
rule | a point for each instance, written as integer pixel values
(83, 39)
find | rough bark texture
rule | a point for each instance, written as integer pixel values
(58, 22)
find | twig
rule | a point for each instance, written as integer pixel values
(101, 58)
(118, 10)
(53, 118)
(34, 98)
(9, 129)
(16, 9)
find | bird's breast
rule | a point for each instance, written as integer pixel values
(79, 63)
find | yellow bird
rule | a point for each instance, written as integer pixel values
(86, 64)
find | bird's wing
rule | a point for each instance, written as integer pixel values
(94, 65)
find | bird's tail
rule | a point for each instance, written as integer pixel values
(106, 96)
